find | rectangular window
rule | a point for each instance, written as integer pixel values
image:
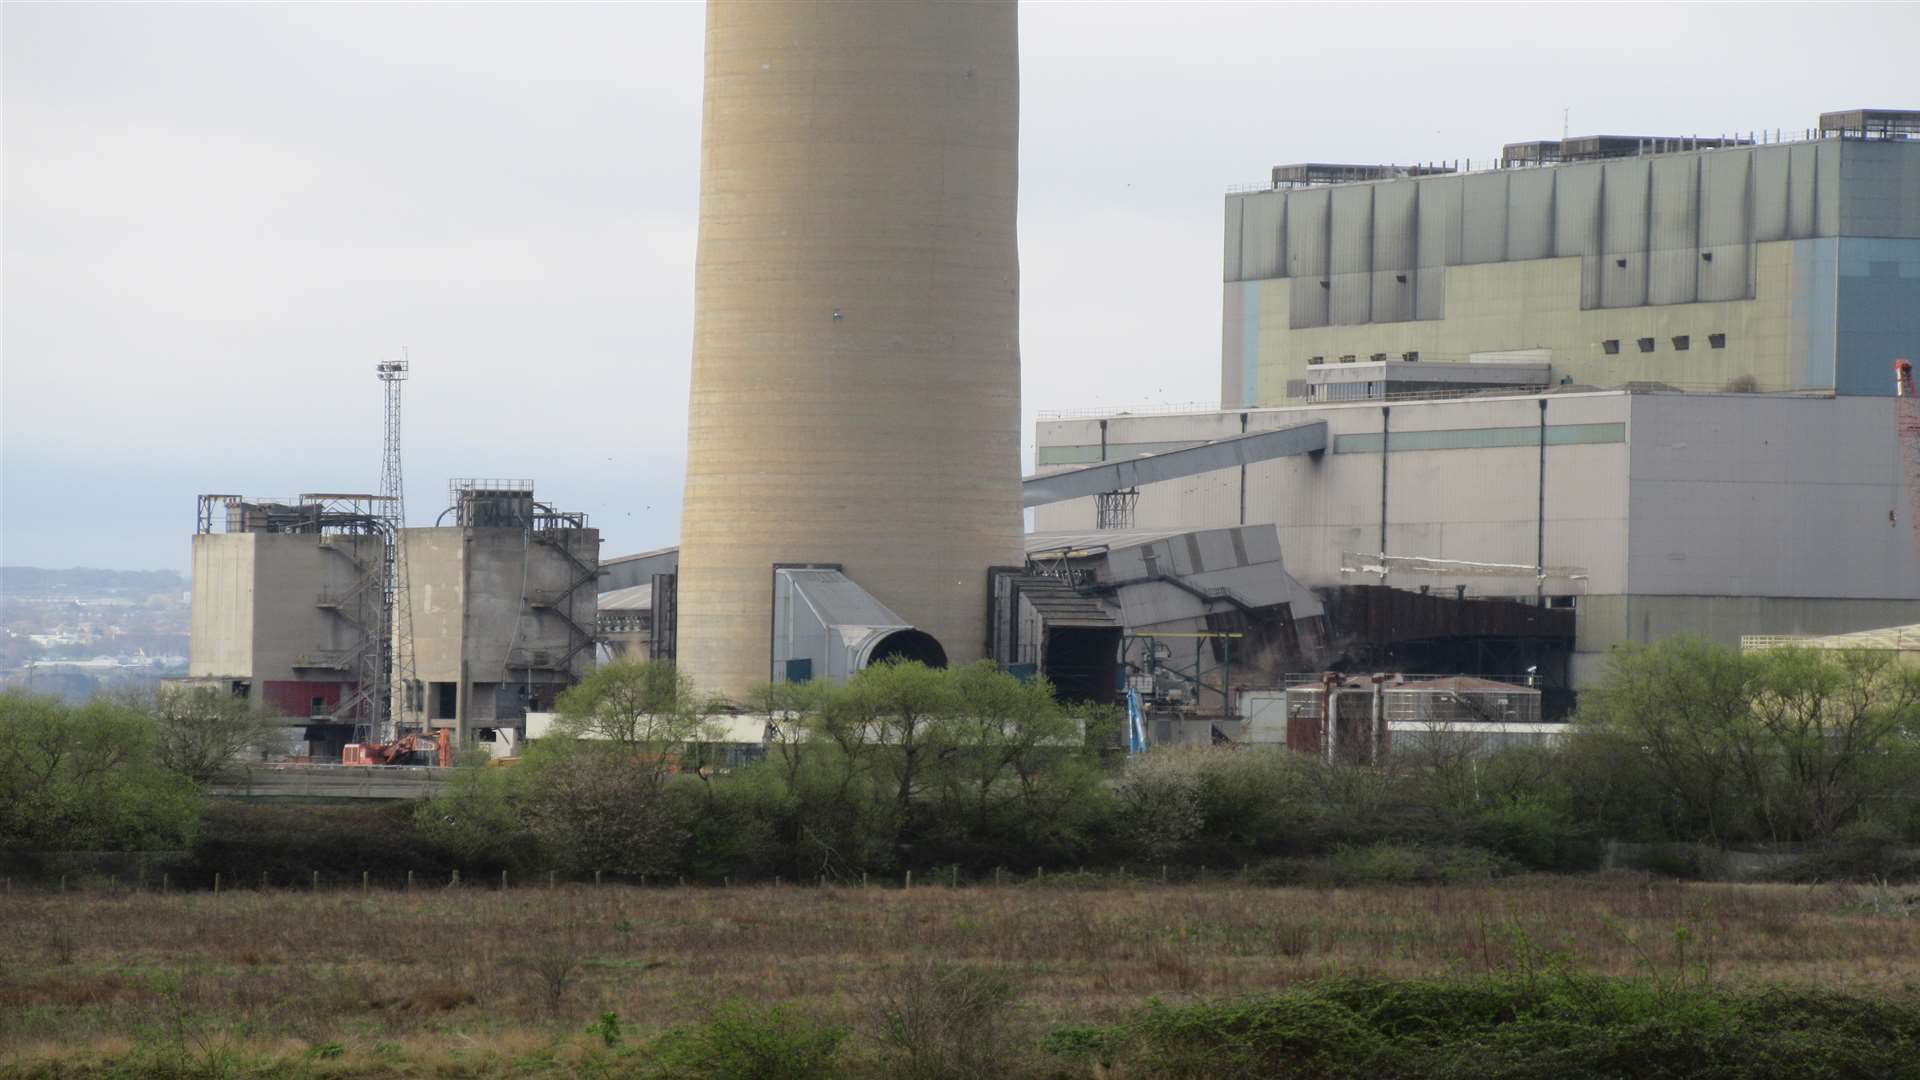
(1611, 346)
(1717, 341)
(1646, 344)
(444, 700)
(1681, 342)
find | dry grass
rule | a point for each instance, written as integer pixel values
(472, 973)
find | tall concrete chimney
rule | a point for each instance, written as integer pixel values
(856, 370)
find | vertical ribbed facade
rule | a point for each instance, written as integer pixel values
(856, 373)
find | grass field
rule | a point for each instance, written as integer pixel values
(474, 982)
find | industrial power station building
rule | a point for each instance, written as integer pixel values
(1650, 384)
(494, 613)
(1646, 513)
(1617, 389)
(1788, 266)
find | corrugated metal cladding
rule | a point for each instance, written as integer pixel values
(1673, 233)
(1643, 227)
(1350, 256)
(1726, 214)
(1530, 214)
(1306, 241)
(1236, 217)
(1394, 244)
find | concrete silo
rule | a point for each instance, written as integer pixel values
(856, 373)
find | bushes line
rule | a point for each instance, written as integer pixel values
(964, 772)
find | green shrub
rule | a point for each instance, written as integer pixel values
(1557, 1027)
(1085, 1045)
(1280, 1036)
(242, 841)
(1400, 864)
(1526, 830)
(741, 1041)
(1377, 864)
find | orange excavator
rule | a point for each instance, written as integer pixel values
(437, 748)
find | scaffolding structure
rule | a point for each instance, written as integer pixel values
(1114, 509)
(321, 512)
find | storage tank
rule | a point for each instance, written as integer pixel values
(856, 373)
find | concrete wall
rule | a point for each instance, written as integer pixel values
(222, 630)
(436, 586)
(487, 603)
(256, 610)
(1738, 495)
(1604, 621)
(292, 571)
(856, 375)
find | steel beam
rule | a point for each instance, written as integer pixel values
(1304, 438)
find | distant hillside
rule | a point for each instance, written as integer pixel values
(86, 581)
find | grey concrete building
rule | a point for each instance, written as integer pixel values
(1788, 266)
(502, 598)
(287, 608)
(1647, 513)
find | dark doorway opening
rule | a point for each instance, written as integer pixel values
(445, 698)
(1083, 663)
(909, 644)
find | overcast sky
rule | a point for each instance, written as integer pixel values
(218, 218)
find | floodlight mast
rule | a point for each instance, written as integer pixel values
(394, 713)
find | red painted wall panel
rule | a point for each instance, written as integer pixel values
(295, 697)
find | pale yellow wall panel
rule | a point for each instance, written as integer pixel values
(223, 605)
(1536, 304)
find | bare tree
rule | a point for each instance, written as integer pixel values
(203, 732)
(604, 808)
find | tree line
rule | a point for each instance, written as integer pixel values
(967, 770)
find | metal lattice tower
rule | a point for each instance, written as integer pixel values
(396, 700)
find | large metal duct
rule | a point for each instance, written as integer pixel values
(856, 373)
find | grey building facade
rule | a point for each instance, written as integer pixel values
(1648, 513)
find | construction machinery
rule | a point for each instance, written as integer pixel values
(434, 749)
